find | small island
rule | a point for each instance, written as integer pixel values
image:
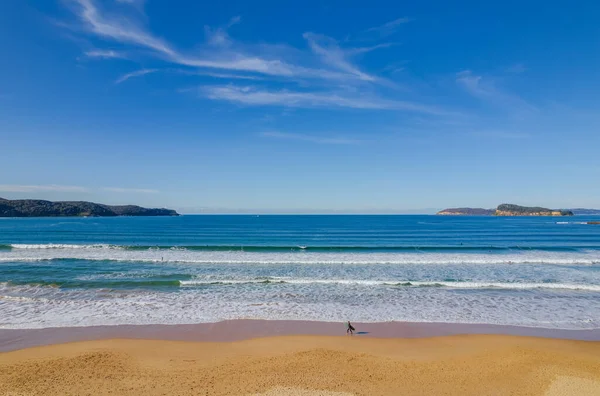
(516, 210)
(505, 210)
(41, 208)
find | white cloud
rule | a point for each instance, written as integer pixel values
(219, 37)
(487, 90)
(137, 73)
(472, 83)
(119, 29)
(40, 188)
(105, 54)
(260, 97)
(228, 76)
(126, 31)
(388, 28)
(310, 138)
(362, 50)
(327, 72)
(329, 50)
(131, 190)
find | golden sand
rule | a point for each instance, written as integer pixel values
(307, 366)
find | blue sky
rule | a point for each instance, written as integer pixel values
(294, 107)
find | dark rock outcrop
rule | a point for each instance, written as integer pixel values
(41, 208)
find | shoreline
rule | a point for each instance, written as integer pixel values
(246, 329)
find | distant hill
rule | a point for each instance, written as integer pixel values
(41, 208)
(506, 210)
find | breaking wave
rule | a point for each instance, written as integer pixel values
(297, 248)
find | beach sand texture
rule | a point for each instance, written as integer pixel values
(307, 366)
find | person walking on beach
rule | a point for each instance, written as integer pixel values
(349, 328)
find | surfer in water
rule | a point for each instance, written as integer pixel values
(349, 328)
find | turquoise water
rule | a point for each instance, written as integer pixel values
(535, 271)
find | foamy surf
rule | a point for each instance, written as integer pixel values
(528, 272)
(44, 246)
(396, 283)
(139, 283)
(29, 253)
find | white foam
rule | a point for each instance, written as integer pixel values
(330, 286)
(509, 285)
(223, 282)
(116, 253)
(404, 283)
(62, 246)
(60, 308)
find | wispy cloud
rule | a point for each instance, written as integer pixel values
(472, 84)
(119, 29)
(327, 71)
(388, 28)
(260, 97)
(329, 50)
(310, 138)
(41, 188)
(486, 89)
(137, 73)
(125, 31)
(131, 190)
(219, 37)
(105, 54)
(227, 76)
(362, 50)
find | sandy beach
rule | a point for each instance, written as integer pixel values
(474, 364)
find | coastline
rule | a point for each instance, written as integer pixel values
(245, 329)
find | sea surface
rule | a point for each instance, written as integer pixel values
(528, 271)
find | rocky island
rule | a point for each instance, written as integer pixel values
(516, 210)
(506, 210)
(41, 208)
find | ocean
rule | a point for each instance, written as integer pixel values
(525, 271)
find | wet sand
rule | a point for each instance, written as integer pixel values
(308, 366)
(237, 330)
